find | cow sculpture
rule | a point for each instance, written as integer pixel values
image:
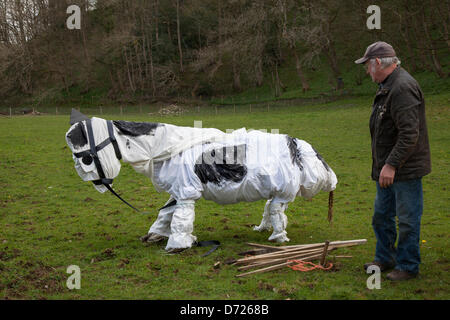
(190, 163)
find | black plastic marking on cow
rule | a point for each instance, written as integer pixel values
(170, 204)
(215, 169)
(78, 136)
(295, 153)
(136, 129)
(318, 155)
(87, 160)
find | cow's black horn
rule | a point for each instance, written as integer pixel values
(77, 116)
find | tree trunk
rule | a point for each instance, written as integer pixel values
(280, 84)
(259, 74)
(421, 44)
(275, 86)
(236, 75)
(138, 58)
(436, 64)
(157, 20)
(129, 72)
(407, 37)
(179, 36)
(298, 66)
(152, 75)
(219, 29)
(332, 59)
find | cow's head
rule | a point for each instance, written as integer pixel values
(94, 149)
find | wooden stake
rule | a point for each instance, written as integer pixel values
(337, 244)
(268, 255)
(264, 246)
(275, 255)
(324, 254)
(275, 267)
(278, 257)
(276, 261)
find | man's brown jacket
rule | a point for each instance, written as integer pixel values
(398, 128)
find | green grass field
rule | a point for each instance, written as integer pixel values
(50, 219)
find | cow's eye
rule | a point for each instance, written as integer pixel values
(87, 160)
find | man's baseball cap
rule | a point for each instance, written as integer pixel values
(379, 49)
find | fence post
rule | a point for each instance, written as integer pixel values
(56, 110)
(121, 111)
(234, 108)
(10, 112)
(101, 110)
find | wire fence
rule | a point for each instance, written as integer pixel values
(168, 109)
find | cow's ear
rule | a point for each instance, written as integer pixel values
(77, 116)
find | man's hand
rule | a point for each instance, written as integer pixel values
(387, 176)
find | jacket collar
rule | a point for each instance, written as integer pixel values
(386, 85)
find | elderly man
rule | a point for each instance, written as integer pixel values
(400, 158)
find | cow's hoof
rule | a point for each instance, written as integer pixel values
(176, 250)
(261, 229)
(152, 238)
(279, 238)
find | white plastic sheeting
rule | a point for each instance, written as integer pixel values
(271, 174)
(169, 154)
(110, 163)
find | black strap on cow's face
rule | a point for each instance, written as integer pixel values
(92, 155)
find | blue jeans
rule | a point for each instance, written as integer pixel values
(404, 200)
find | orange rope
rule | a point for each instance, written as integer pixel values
(302, 266)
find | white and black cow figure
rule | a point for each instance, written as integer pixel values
(190, 163)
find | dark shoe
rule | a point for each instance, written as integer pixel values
(152, 237)
(400, 275)
(383, 266)
(176, 250)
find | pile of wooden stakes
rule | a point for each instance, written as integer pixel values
(267, 258)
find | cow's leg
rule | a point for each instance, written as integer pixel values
(182, 226)
(265, 222)
(278, 220)
(160, 229)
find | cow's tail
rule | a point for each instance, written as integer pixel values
(330, 206)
